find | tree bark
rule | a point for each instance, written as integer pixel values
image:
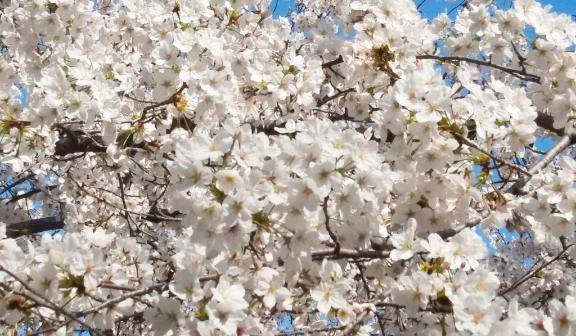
(28, 227)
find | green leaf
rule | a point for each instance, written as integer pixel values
(219, 195)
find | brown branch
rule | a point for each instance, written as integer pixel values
(123, 198)
(436, 309)
(445, 234)
(569, 138)
(420, 4)
(47, 303)
(15, 183)
(29, 193)
(327, 224)
(334, 96)
(311, 331)
(100, 199)
(532, 273)
(48, 330)
(546, 122)
(32, 226)
(134, 293)
(76, 141)
(352, 327)
(168, 101)
(116, 300)
(469, 143)
(463, 3)
(451, 59)
(333, 62)
(363, 278)
(349, 254)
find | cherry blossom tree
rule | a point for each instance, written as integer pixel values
(201, 167)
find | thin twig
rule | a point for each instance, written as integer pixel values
(350, 329)
(420, 4)
(115, 301)
(135, 293)
(47, 303)
(469, 143)
(168, 101)
(349, 254)
(327, 224)
(531, 274)
(336, 95)
(333, 62)
(562, 144)
(515, 72)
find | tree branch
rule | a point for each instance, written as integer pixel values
(327, 224)
(569, 138)
(531, 274)
(135, 293)
(352, 327)
(32, 226)
(515, 72)
(349, 254)
(469, 143)
(47, 303)
(333, 62)
(336, 95)
(116, 300)
(170, 100)
(15, 183)
(445, 234)
(76, 141)
(546, 122)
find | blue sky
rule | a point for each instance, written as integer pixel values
(431, 8)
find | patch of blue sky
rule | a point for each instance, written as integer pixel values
(544, 144)
(432, 8)
(23, 96)
(330, 321)
(281, 7)
(284, 323)
(486, 239)
(527, 262)
(11, 187)
(561, 6)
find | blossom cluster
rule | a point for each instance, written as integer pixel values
(202, 167)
